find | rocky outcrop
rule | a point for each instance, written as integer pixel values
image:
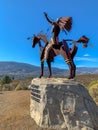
(59, 103)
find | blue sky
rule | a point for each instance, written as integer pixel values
(20, 19)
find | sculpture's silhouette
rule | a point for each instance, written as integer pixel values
(54, 47)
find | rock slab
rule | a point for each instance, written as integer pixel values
(59, 103)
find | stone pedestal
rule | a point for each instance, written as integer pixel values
(59, 103)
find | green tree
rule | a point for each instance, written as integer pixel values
(6, 80)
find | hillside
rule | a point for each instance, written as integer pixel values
(17, 69)
(23, 70)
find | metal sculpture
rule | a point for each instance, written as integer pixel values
(54, 47)
(51, 50)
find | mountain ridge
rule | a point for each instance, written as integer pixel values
(21, 70)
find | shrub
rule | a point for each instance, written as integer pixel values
(92, 83)
(93, 90)
(22, 86)
(5, 87)
(18, 87)
(6, 80)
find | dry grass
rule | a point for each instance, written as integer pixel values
(86, 79)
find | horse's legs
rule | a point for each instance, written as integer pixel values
(42, 69)
(49, 66)
(73, 52)
(72, 69)
(69, 61)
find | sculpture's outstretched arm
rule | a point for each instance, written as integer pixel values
(46, 16)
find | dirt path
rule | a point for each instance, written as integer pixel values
(14, 111)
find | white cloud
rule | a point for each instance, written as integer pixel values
(86, 55)
(86, 59)
(81, 65)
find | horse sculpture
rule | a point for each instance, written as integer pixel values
(51, 50)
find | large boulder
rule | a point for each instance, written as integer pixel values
(59, 103)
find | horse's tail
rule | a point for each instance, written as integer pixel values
(84, 40)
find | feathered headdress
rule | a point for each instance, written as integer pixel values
(65, 23)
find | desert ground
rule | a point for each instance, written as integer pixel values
(14, 111)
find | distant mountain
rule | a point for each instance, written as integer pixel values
(87, 70)
(18, 70)
(22, 70)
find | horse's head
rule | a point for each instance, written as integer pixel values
(35, 40)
